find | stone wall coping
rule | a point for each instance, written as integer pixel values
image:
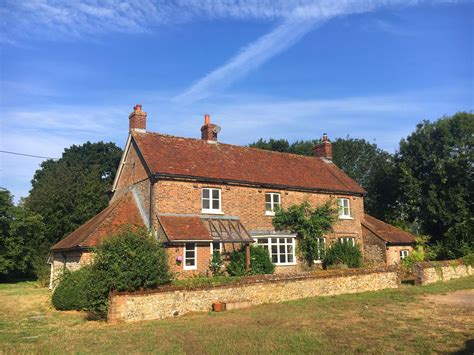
(263, 279)
(439, 263)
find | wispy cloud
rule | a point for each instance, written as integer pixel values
(298, 22)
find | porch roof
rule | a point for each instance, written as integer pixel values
(183, 228)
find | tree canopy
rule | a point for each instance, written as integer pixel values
(22, 237)
(436, 179)
(69, 191)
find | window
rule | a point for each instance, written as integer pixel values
(272, 203)
(211, 200)
(190, 256)
(403, 254)
(281, 250)
(344, 208)
(216, 247)
(321, 248)
(350, 240)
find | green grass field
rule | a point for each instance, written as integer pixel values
(409, 320)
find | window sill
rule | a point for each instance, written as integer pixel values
(211, 212)
(189, 268)
(285, 264)
(346, 217)
(269, 213)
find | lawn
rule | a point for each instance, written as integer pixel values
(409, 319)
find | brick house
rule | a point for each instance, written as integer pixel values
(200, 196)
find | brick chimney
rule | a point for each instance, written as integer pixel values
(137, 119)
(209, 130)
(323, 149)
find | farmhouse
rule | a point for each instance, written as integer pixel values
(200, 196)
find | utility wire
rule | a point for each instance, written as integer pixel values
(26, 155)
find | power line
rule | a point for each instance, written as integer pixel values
(26, 155)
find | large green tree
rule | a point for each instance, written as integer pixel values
(371, 167)
(22, 238)
(436, 170)
(69, 191)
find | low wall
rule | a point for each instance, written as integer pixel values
(170, 301)
(434, 271)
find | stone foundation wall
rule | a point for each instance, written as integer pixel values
(434, 271)
(176, 301)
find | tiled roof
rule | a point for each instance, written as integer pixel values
(386, 232)
(198, 158)
(181, 228)
(118, 213)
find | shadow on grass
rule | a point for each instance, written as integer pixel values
(17, 278)
(467, 350)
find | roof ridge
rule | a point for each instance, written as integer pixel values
(228, 144)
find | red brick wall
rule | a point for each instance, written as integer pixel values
(248, 203)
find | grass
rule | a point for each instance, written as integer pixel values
(400, 320)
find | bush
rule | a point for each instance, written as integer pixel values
(216, 264)
(71, 293)
(468, 259)
(260, 262)
(127, 261)
(416, 256)
(343, 254)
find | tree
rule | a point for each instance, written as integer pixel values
(309, 224)
(69, 191)
(436, 171)
(371, 167)
(22, 239)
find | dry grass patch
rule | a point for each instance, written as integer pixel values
(401, 320)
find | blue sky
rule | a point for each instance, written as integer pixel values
(71, 71)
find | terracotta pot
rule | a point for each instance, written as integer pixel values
(218, 306)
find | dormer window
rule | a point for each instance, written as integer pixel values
(272, 203)
(211, 201)
(344, 208)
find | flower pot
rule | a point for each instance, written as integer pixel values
(218, 306)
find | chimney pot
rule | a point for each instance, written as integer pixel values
(137, 119)
(207, 119)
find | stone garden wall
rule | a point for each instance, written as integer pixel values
(434, 271)
(170, 301)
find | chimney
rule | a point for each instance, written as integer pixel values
(137, 119)
(323, 149)
(209, 130)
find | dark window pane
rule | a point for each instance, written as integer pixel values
(282, 249)
(274, 240)
(268, 206)
(282, 258)
(205, 204)
(274, 258)
(215, 204)
(274, 249)
(205, 193)
(215, 194)
(290, 258)
(268, 198)
(276, 198)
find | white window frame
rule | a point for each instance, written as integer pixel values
(211, 210)
(346, 239)
(211, 246)
(272, 203)
(185, 258)
(343, 214)
(269, 245)
(404, 253)
(319, 260)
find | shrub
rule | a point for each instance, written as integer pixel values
(260, 262)
(216, 264)
(126, 261)
(416, 256)
(71, 292)
(468, 259)
(343, 254)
